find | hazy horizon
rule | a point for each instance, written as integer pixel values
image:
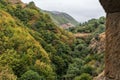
(81, 10)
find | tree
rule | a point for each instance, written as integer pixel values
(88, 69)
(6, 73)
(30, 75)
(44, 70)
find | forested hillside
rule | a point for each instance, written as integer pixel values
(94, 26)
(32, 47)
(31, 44)
(89, 49)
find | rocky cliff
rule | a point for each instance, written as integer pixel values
(97, 45)
(112, 57)
(111, 6)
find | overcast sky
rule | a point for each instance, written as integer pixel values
(81, 10)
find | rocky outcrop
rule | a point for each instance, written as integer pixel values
(112, 69)
(111, 6)
(97, 45)
(112, 57)
(67, 25)
(100, 76)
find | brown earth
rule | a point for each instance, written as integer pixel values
(98, 45)
(82, 35)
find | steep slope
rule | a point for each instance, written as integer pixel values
(17, 45)
(97, 45)
(89, 49)
(62, 19)
(31, 45)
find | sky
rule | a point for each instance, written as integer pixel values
(81, 10)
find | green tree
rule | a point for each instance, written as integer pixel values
(88, 69)
(30, 75)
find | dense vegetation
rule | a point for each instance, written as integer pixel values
(93, 26)
(32, 47)
(86, 62)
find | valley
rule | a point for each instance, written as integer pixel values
(34, 45)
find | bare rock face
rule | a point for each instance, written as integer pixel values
(111, 6)
(112, 57)
(98, 45)
(112, 62)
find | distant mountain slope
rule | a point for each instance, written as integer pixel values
(62, 19)
(94, 26)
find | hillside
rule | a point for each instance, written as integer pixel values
(97, 45)
(62, 19)
(92, 28)
(90, 38)
(33, 47)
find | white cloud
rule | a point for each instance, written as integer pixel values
(81, 10)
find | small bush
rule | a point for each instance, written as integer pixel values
(30, 75)
(84, 76)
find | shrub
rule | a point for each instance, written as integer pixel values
(6, 73)
(44, 70)
(88, 69)
(30, 75)
(83, 76)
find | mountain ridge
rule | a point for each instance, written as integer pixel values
(62, 18)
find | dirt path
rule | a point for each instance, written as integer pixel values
(82, 35)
